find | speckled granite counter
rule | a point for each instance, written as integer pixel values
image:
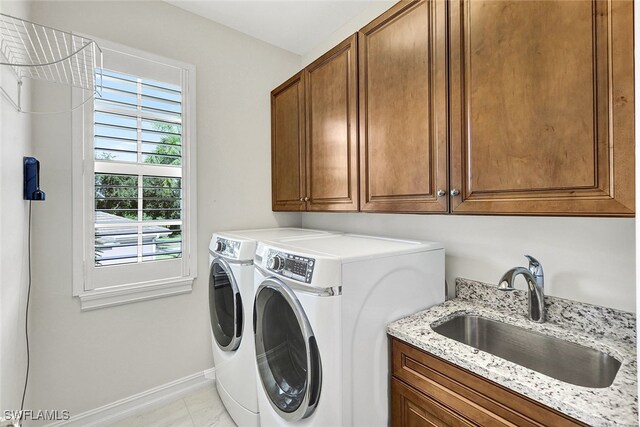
(610, 331)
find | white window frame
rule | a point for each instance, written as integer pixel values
(91, 294)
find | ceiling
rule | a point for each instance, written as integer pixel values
(294, 25)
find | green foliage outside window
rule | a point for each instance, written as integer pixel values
(118, 194)
(161, 196)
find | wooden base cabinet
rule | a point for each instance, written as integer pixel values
(429, 391)
(409, 407)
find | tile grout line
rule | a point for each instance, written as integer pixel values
(193, 422)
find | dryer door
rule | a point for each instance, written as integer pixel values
(286, 351)
(225, 306)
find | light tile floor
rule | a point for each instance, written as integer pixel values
(202, 408)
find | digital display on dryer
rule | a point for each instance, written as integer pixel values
(293, 266)
(296, 267)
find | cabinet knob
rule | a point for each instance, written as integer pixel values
(302, 199)
(306, 199)
(455, 192)
(441, 193)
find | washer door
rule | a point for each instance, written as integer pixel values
(286, 351)
(225, 306)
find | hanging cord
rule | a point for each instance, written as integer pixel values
(26, 319)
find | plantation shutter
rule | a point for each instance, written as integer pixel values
(138, 173)
(134, 180)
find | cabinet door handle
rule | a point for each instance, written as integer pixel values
(306, 199)
(302, 199)
(441, 193)
(455, 192)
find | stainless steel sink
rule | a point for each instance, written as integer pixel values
(559, 359)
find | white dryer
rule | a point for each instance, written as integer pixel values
(231, 292)
(320, 316)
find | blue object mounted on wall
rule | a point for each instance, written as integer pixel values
(32, 179)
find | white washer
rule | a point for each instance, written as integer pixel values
(320, 316)
(231, 293)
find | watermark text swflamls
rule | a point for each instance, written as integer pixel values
(39, 415)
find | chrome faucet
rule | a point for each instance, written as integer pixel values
(535, 282)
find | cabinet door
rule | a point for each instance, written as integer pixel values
(410, 408)
(403, 123)
(332, 133)
(287, 145)
(542, 107)
(467, 394)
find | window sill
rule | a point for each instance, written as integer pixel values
(109, 297)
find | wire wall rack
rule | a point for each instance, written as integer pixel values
(38, 52)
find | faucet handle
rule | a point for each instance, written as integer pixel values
(534, 266)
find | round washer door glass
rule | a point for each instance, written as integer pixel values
(286, 351)
(225, 306)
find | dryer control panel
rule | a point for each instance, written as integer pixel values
(292, 266)
(228, 248)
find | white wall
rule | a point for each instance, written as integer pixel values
(84, 360)
(15, 142)
(585, 259)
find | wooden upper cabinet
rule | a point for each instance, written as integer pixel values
(541, 107)
(332, 131)
(465, 106)
(403, 123)
(287, 145)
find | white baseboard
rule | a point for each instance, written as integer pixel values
(139, 403)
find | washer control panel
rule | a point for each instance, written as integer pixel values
(292, 266)
(228, 248)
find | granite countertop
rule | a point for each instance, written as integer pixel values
(610, 331)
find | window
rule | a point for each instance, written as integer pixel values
(135, 188)
(138, 211)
